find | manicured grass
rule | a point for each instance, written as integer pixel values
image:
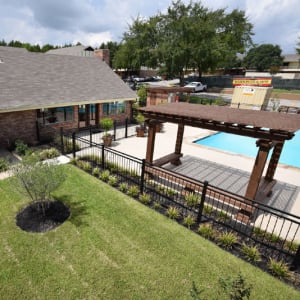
(113, 247)
(278, 91)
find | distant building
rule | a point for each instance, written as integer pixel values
(86, 51)
(291, 63)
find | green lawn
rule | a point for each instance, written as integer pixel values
(114, 248)
(278, 91)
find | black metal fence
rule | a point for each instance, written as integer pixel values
(275, 230)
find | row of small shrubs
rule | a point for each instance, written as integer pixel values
(274, 238)
(112, 180)
(228, 239)
(250, 252)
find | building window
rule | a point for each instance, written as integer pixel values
(114, 108)
(55, 115)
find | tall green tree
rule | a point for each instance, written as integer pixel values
(263, 57)
(137, 46)
(234, 34)
(206, 51)
(185, 36)
(175, 39)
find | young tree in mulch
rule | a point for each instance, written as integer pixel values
(37, 180)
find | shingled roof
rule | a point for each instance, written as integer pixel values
(35, 80)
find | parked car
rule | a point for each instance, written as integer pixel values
(197, 86)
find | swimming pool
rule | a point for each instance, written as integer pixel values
(247, 146)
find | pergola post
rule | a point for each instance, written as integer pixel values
(179, 138)
(258, 168)
(274, 161)
(151, 141)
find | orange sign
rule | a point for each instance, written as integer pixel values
(252, 81)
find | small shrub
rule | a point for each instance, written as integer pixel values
(171, 192)
(84, 165)
(133, 191)
(223, 216)
(189, 221)
(251, 253)
(20, 147)
(273, 238)
(207, 231)
(3, 165)
(258, 232)
(291, 246)
(73, 161)
(96, 172)
(227, 239)
(160, 188)
(173, 212)
(207, 209)
(123, 186)
(156, 205)
(236, 289)
(145, 198)
(104, 175)
(192, 199)
(278, 268)
(49, 153)
(112, 180)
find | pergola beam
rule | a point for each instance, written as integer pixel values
(244, 130)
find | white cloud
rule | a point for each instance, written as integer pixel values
(95, 21)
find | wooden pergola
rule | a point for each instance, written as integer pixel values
(271, 129)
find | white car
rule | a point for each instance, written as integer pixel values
(197, 86)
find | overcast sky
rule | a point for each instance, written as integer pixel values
(92, 22)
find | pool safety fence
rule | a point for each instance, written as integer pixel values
(276, 232)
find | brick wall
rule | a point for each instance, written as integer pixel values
(103, 54)
(22, 125)
(18, 125)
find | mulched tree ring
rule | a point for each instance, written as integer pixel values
(32, 219)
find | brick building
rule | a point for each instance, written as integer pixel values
(42, 91)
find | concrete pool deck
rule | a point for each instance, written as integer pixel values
(286, 193)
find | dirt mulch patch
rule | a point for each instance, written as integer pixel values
(33, 219)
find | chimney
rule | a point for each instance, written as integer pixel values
(103, 54)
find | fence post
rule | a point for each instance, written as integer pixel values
(126, 128)
(142, 179)
(102, 157)
(91, 136)
(296, 261)
(62, 140)
(115, 129)
(74, 144)
(203, 195)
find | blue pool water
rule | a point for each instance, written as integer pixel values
(247, 146)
